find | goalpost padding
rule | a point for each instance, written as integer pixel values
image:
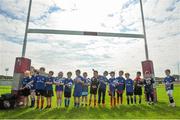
(21, 65)
(147, 65)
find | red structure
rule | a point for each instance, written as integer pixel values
(21, 65)
(148, 66)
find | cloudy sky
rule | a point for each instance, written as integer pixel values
(67, 53)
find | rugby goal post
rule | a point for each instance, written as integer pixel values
(83, 33)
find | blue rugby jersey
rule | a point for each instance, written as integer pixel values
(60, 81)
(86, 84)
(49, 86)
(112, 84)
(102, 82)
(148, 85)
(94, 83)
(129, 85)
(33, 82)
(169, 82)
(78, 86)
(25, 81)
(40, 82)
(68, 82)
(121, 84)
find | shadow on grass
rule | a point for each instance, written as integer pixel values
(160, 110)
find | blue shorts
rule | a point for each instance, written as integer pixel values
(77, 94)
(59, 88)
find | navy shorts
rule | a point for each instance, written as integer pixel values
(93, 91)
(67, 94)
(40, 92)
(25, 92)
(137, 91)
(129, 93)
(49, 93)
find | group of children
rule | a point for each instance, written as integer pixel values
(38, 83)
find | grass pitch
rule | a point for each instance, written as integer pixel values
(161, 110)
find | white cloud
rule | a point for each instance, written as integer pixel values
(8, 52)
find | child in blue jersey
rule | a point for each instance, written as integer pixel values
(129, 88)
(59, 83)
(168, 81)
(68, 83)
(94, 87)
(40, 87)
(25, 88)
(112, 88)
(85, 89)
(33, 89)
(78, 81)
(102, 88)
(148, 87)
(49, 89)
(120, 87)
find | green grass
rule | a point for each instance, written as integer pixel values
(158, 111)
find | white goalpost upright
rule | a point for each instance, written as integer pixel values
(147, 65)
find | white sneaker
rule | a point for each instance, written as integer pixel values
(173, 105)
